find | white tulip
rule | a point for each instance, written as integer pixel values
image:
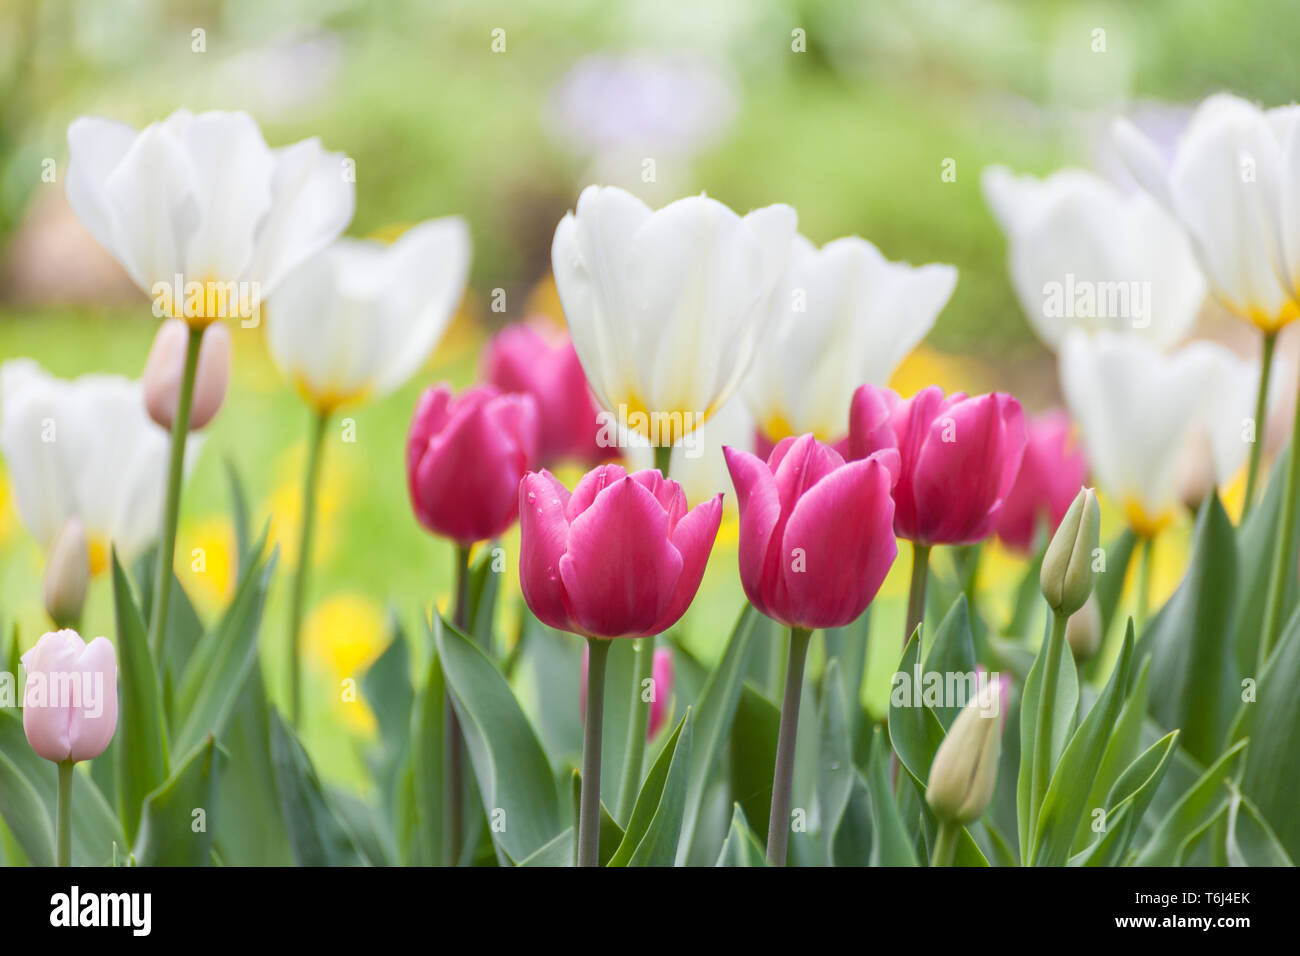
(840, 317)
(1083, 254)
(1140, 410)
(202, 201)
(1234, 184)
(665, 308)
(698, 464)
(356, 321)
(85, 448)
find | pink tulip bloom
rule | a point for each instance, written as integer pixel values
(663, 688)
(166, 367)
(1051, 473)
(619, 557)
(70, 698)
(959, 458)
(524, 358)
(464, 457)
(816, 535)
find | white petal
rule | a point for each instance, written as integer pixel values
(28, 417)
(95, 147)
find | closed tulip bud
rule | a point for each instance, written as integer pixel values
(166, 367)
(619, 557)
(1083, 630)
(464, 457)
(965, 767)
(67, 572)
(816, 532)
(70, 698)
(1066, 578)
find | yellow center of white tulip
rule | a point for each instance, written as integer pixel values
(1144, 524)
(97, 546)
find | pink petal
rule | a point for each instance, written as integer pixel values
(543, 539)
(693, 538)
(91, 726)
(592, 484)
(760, 509)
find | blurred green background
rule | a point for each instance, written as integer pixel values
(850, 111)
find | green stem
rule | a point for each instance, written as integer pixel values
(945, 844)
(63, 844)
(778, 823)
(916, 593)
(1261, 422)
(162, 590)
(589, 802)
(1041, 773)
(638, 722)
(663, 458)
(1144, 585)
(453, 747)
(310, 481)
(1284, 552)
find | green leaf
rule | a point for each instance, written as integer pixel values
(753, 754)
(1250, 841)
(1127, 802)
(652, 832)
(484, 585)
(1109, 586)
(1121, 750)
(317, 833)
(835, 772)
(1194, 810)
(170, 833)
(620, 678)
(849, 646)
(220, 666)
(511, 767)
(1193, 670)
(715, 710)
(427, 728)
(890, 844)
(239, 517)
(914, 730)
(387, 688)
(25, 814)
(141, 742)
(952, 654)
(611, 834)
(741, 848)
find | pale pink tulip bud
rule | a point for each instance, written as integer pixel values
(67, 572)
(166, 368)
(70, 698)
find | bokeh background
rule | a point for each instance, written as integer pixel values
(855, 130)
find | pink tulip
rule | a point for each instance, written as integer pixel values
(663, 688)
(959, 458)
(464, 458)
(523, 358)
(816, 537)
(620, 557)
(166, 367)
(70, 699)
(1051, 473)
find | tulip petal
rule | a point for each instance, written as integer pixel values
(92, 725)
(760, 510)
(693, 538)
(543, 540)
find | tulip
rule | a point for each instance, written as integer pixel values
(1067, 572)
(965, 769)
(698, 464)
(83, 448)
(525, 358)
(816, 542)
(166, 366)
(1051, 472)
(356, 321)
(839, 316)
(69, 711)
(959, 460)
(67, 574)
(662, 684)
(620, 557)
(1083, 631)
(1078, 247)
(666, 308)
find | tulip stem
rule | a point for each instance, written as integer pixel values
(1284, 551)
(453, 750)
(63, 840)
(1144, 585)
(638, 722)
(1261, 419)
(311, 480)
(945, 844)
(1041, 770)
(916, 593)
(778, 822)
(589, 802)
(162, 590)
(663, 458)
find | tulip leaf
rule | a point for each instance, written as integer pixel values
(849, 646)
(835, 772)
(741, 847)
(1271, 778)
(656, 822)
(176, 825)
(484, 585)
(25, 814)
(554, 665)
(367, 826)
(219, 668)
(514, 776)
(1193, 671)
(1126, 804)
(141, 742)
(317, 833)
(890, 843)
(1067, 793)
(753, 754)
(1249, 840)
(715, 710)
(611, 834)
(1193, 811)
(914, 729)
(1109, 585)
(427, 728)
(387, 688)
(1121, 750)
(620, 698)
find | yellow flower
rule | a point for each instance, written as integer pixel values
(206, 560)
(344, 634)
